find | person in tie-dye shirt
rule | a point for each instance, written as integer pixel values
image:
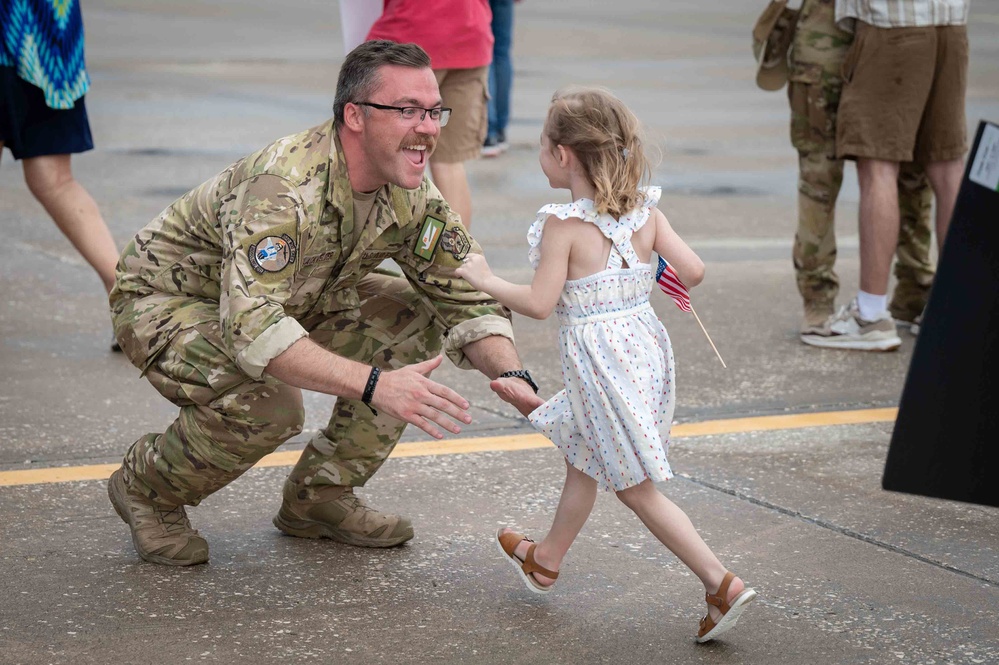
(43, 119)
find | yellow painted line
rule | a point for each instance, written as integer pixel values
(59, 474)
(494, 443)
(794, 421)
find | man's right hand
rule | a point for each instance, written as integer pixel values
(409, 395)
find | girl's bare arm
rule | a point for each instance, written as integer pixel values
(671, 247)
(537, 299)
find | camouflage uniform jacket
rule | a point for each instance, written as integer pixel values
(269, 244)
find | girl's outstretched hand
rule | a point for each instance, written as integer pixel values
(475, 270)
(516, 392)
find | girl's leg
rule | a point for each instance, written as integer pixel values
(574, 507)
(74, 211)
(674, 530)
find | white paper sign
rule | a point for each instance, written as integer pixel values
(985, 168)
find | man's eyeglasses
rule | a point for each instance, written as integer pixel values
(413, 114)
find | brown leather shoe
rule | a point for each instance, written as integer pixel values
(336, 512)
(729, 610)
(508, 540)
(160, 534)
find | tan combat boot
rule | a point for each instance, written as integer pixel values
(336, 512)
(160, 534)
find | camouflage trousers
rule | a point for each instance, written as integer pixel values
(228, 422)
(814, 88)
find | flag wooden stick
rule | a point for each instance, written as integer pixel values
(698, 319)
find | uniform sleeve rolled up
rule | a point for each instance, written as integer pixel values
(271, 343)
(472, 331)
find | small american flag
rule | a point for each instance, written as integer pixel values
(670, 283)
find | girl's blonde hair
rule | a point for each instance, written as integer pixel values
(606, 137)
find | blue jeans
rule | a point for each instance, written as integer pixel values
(501, 70)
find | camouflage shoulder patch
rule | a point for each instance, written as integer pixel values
(428, 238)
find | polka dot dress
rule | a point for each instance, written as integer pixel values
(613, 418)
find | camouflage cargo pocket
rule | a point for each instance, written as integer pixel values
(813, 99)
(194, 368)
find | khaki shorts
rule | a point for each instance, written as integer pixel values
(465, 91)
(903, 94)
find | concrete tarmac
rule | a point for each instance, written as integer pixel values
(847, 573)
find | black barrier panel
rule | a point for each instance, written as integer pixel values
(946, 438)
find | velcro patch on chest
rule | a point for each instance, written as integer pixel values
(325, 257)
(429, 238)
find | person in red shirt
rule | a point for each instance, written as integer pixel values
(457, 35)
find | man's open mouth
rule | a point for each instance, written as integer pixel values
(417, 154)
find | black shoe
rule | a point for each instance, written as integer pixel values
(494, 146)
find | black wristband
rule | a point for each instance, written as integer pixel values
(521, 374)
(369, 388)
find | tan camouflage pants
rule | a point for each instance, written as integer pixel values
(228, 422)
(814, 91)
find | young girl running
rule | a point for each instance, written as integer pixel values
(592, 267)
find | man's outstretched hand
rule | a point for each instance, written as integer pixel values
(518, 393)
(409, 395)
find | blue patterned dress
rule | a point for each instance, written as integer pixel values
(612, 420)
(43, 42)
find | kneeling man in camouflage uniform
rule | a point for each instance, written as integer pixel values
(264, 281)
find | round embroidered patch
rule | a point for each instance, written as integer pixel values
(273, 253)
(456, 242)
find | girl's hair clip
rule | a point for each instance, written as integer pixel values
(625, 152)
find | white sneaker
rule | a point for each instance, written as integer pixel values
(846, 330)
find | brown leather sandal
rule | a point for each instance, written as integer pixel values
(730, 612)
(507, 543)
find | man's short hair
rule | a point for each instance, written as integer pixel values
(359, 74)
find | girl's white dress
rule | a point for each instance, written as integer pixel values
(613, 418)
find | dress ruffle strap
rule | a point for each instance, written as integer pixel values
(581, 208)
(618, 230)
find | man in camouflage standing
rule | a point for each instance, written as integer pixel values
(264, 281)
(814, 88)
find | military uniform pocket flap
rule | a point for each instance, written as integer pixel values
(805, 73)
(339, 301)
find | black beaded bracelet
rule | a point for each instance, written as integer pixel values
(369, 389)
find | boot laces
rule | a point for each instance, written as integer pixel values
(367, 516)
(354, 501)
(174, 520)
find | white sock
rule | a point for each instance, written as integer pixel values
(871, 306)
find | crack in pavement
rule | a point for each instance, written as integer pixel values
(850, 533)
